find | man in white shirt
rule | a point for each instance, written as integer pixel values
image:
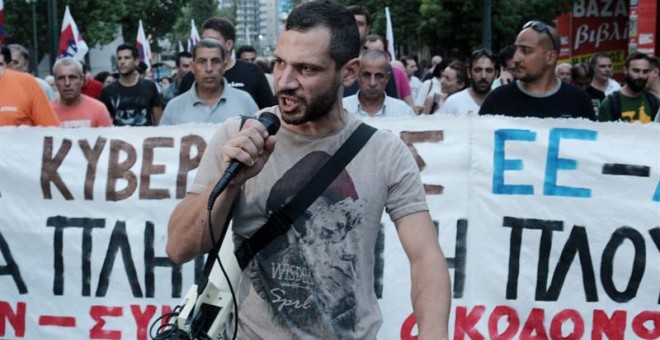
(602, 65)
(482, 74)
(410, 66)
(371, 100)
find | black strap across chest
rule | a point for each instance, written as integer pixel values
(280, 221)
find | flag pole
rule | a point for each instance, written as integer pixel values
(389, 34)
(53, 31)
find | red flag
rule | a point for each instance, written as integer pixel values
(71, 41)
(194, 36)
(143, 45)
(2, 21)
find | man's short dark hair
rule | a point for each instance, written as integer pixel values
(209, 43)
(481, 53)
(582, 70)
(594, 58)
(102, 76)
(405, 60)
(360, 10)
(6, 53)
(134, 51)
(142, 67)
(461, 71)
(264, 64)
(437, 69)
(654, 63)
(637, 56)
(221, 25)
(184, 54)
(505, 54)
(243, 49)
(344, 35)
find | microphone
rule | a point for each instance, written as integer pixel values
(272, 124)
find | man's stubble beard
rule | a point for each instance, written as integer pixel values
(318, 107)
(481, 91)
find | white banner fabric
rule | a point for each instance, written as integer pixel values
(551, 228)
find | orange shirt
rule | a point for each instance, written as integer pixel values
(88, 113)
(23, 101)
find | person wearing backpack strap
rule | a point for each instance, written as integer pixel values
(633, 103)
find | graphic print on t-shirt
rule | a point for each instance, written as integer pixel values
(131, 111)
(308, 276)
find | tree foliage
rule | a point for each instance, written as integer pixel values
(97, 20)
(445, 27)
(453, 27)
(199, 10)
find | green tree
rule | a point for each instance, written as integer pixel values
(200, 10)
(97, 20)
(453, 27)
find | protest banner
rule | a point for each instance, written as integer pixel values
(551, 228)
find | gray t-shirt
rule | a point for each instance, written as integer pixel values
(189, 108)
(317, 281)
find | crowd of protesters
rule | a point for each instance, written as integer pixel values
(209, 83)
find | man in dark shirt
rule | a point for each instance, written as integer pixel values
(537, 92)
(582, 74)
(239, 74)
(131, 100)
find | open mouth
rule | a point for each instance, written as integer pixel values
(288, 104)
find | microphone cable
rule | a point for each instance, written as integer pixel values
(224, 272)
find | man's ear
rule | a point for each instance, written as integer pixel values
(350, 71)
(551, 57)
(229, 46)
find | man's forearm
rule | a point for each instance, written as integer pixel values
(431, 296)
(188, 231)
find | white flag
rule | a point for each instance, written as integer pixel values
(71, 41)
(143, 45)
(194, 35)
(389, 34)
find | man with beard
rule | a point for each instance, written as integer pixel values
(482, 74)
(131, 100)
(537, 92)
(291, 295)
(633, 103)
(371, 100)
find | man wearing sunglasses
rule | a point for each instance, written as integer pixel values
(537, 92)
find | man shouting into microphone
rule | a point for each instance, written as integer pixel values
(317, 280)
